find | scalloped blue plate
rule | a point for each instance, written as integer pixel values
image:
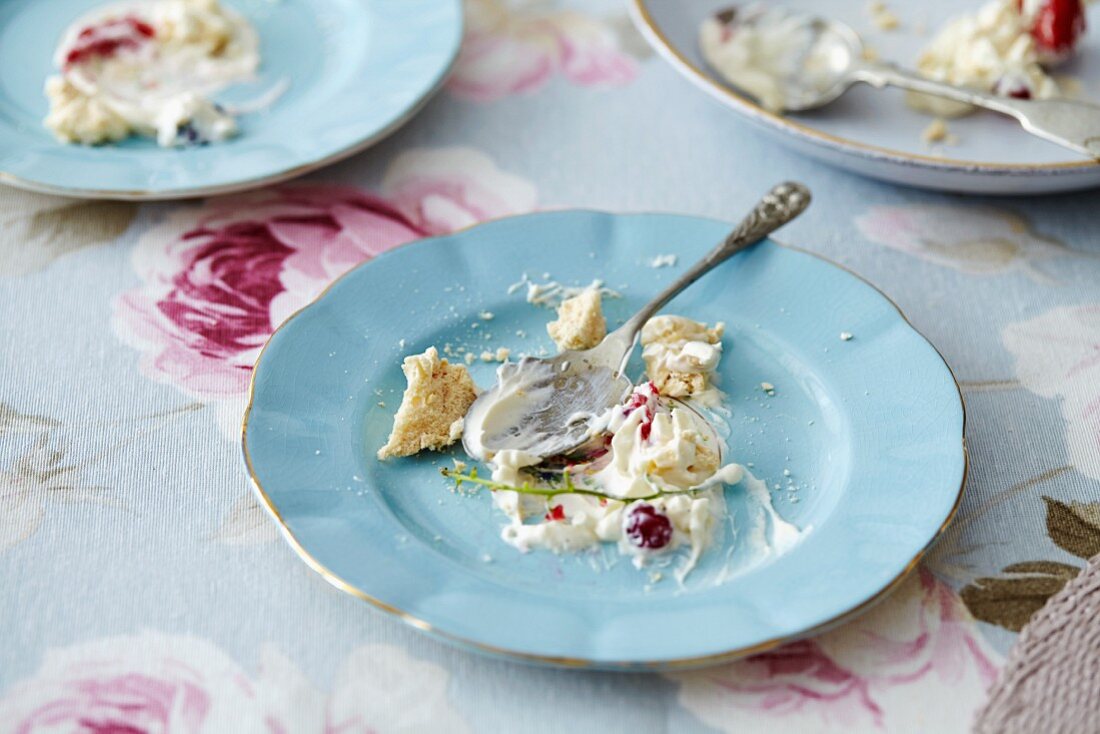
(871, 430)
(358, 69)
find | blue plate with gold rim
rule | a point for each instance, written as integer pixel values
(870, 428)
(356, 70)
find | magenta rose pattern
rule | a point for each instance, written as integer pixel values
(876, 673)
(517, 47)
(153, 683)
(217, 279)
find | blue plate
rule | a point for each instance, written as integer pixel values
(357, 69)
(871, 430)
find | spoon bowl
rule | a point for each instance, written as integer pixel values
(788, 61)
(543, 407)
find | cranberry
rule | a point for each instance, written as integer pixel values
(1056, 26)
(557, 512)
(648, 528)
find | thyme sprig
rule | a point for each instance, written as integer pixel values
(552, 490)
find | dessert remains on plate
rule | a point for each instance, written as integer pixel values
(148, 68)
(1007, 47)
(653, 486)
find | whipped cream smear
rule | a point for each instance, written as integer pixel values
(661, 482)
(149, 68)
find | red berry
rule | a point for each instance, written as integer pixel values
(1056, 26)
(1015, 86)
(108, 38)
(648, 528)
(557, 512)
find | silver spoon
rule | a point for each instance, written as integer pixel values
(832, 61)
(544, 407)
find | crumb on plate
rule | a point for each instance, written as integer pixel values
(432, 407)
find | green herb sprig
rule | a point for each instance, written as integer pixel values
(552, 490)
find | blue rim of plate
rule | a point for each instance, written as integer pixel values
(413, 47)
(659, 41)
(439, 628)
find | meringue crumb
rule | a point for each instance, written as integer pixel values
(870, 53)
(486, 315)
(663, 261)
(846, 336)
(459, 464)
(680, 354)
(435, 400)
(768, 388)
(937, 132)
(470, 358)
(580, 323)
(882, 17)
(503, 353)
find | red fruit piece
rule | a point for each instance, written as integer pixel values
(1056, 26)
(641, 399)
(108, 38)
(1013, 86)
(557, 512)
(648, 528)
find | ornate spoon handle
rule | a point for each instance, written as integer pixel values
(779, 206)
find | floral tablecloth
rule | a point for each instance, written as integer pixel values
(144, 590)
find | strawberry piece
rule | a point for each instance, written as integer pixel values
(1056, 26)
(105, 40)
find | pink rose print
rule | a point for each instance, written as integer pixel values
(154, 683)
(1058, 356)
(876, 673)
(973, 240)
(218, 279)
(134, 685)
(513, 48)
